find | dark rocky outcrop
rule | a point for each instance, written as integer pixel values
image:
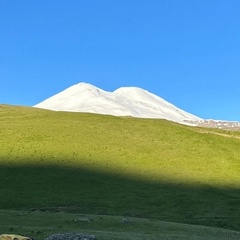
(71, 236)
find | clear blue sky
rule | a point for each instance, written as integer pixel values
(185, 51)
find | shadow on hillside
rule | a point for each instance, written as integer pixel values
(52, 188)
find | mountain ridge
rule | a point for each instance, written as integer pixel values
(124, 101)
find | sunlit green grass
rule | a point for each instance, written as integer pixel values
(89, 163)
(149, 149)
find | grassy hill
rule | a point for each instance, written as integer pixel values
(105, 165)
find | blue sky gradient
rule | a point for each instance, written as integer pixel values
(185, 51)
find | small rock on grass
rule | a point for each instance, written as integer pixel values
(126, 221)
(82, 219)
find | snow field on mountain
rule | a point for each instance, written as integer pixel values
(125, 101)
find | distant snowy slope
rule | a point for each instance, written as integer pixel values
(125, 101)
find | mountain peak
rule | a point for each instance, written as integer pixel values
(125, 101)
(84, 84)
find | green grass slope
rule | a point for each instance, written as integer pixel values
(40, 225)
(89, 163)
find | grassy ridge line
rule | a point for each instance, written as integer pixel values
(145, 148)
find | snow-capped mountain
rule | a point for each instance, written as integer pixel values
(125, 101)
